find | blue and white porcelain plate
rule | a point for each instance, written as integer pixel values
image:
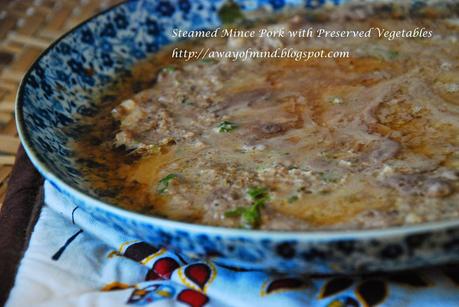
(57, 92)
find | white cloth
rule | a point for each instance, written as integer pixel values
(67, 266)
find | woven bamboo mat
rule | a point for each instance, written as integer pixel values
(26, 28)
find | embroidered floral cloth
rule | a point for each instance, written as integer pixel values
(73, 260)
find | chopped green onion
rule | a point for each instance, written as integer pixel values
(292, 199)
(392, 54)
(163, 184)
(251, 216)
(257, 193)
(170, 68)
(234, 213)
(226, 126)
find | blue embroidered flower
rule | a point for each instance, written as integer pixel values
(108, 30)
(151, 47)
(137, 53)
(165, 8)
(87, 36)
(196, 18)
(184, 5)
(277, 4)
(121, 21)
(107, 60)
(152, 26)
(64, 48)
(106, 46)
(131, 5)
(76, 66)
(61, 76)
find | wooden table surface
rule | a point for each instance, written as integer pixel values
(27, 27)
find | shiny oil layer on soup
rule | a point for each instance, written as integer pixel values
(368, 141)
